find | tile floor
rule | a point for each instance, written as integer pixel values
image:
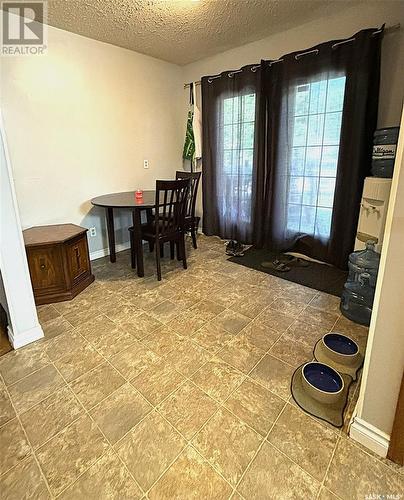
(178, 390)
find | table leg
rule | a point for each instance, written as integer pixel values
(111, 233)
(137, 234)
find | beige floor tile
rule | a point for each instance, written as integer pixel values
(97, 384)
(187, 357)
(274, 375)
(292, 352)
(187, 409)
(250, 306)
(304, 441)
(362, 474)
(241, 354)
(50, 416)
(70, 453)
(218, 379)
(97, 327)
(24, 481)
(56, 326)
(257, 406)
(285, 480)
(276, 320)
(190, 477)
(107, 478)
(82, 314)
(306, 333)
(35, 387)
(187, 323)
(18, 364)
(314, 316)
(295, 291)
(47, 313)
(326, 302)
(157, 381)
(141, 325)
(207, 309)
(6, 409)
(228, 444)
(13, 445)
(212, 337)
(133, 360)
(231, 321)
(260, 335)
(63, 344)
(162, 341)
(123, 311)
(75, 364)
(291, 307)
(327, 495)
(125, 402)
(166, 311)
(116, 341)
(150, 448)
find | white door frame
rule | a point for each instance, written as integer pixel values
(24, 327)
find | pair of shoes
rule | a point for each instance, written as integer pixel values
(294, 261)
(234, 248)
(276, 265)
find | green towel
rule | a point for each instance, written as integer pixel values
(189, 145)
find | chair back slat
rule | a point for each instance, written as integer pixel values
(171, 206)
(194, 178)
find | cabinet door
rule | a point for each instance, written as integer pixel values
(77, 255)
(46, 269)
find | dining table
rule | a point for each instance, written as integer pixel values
(126, 201)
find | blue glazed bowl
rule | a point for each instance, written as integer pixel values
(322, 382)
(341, 348)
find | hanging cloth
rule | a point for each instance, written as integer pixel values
(197, 127)
(189, 145)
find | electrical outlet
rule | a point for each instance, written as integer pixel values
(145, 163)
(93, 232)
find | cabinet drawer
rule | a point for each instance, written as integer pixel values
(77, 256)
(46, 268)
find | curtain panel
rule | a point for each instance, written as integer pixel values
(287, 145)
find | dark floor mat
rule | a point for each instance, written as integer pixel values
(321, 277)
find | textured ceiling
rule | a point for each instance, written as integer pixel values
(183, 31)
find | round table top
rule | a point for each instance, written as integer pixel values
(126, 200)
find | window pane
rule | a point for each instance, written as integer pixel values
(310, 190)
(326, 192)
(316, 129)
(227, 162)
(323, 222)
(300, 131)
(329, 161)
(294, 217)
(313, 158)
(249, 107)
(295, 189)
(307, 220)
(297, 161)
(332, 128)
(302, 99)
(248, 135)
(317, 96)
(246, 166)
(336, 90)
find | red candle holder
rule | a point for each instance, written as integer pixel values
(138, 194)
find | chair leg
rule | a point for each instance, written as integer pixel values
(132, 251)
(193, 236)
(184, 255)
(178, 245)
(151, 246)
(171, 250)
(158, 261)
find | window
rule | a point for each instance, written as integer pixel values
(313, 156)
(236, 168)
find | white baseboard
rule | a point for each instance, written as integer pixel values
(369, 436)
(26, 337)
(105, 251)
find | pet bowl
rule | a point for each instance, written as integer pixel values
(322, 382)
(340, 349)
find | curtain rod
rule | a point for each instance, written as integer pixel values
(387, 30)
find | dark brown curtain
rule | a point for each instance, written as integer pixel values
(316, 116)
(229, 112)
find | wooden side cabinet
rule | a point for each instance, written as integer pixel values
(58, 261)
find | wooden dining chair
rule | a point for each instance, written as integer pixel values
(168, 224)
(191, 221)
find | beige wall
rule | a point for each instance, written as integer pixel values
(79, 123)
(340, 25)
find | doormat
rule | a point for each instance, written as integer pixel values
(322, 277)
